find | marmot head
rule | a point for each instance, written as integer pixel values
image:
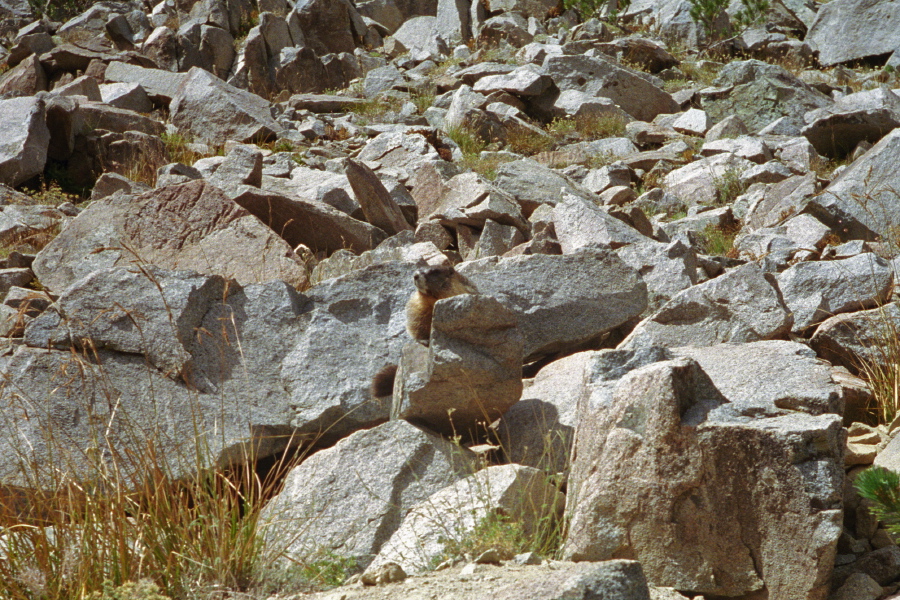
(435, 281)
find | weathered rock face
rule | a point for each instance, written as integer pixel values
(155, 314)
(357, 327)
(316, 225)
(719, 515)
(24, 138)
(336, 502)
(471, 372)
(814, 291)
(599, 77)
(854, 118)
(562, 301)
(760, 93)
(188, 226)
(329, 25)
(857, 338)
(519, 492)
(739, 306)
(212, 111)
(854, 29)
(862, 203)
(235, 388)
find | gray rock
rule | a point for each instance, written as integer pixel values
(382, 79)
(400, 151)
(127, 96)
(667, 269)
(235, 391)
(882, 565)
(496, 240)
(759, 93)
(519, 492)
(155, 315)
(743, 373)
(508, 28)
(864, 116)
(599, 77)
(854, 29)
(329, 25)
(532, 184)
(23, 222)
(702, 181)
(156, 82)
(525, 81)
(739, 306)
(333, 189)
(334, 503)
(97, 115)
(768, 207)
(857, 338)
(469, 199)
(471, 372)
(751, 148)
(242, 166)
(25, 79)
(215, 237)
(538, 431)
(212, 111)
(779, 476)
(419, 34)
(862, 202)
(325, 375)
(858, 586)
(814, 291)
(581, 223)
(453, 22)
(581, 105)
(24, 138)
(376, 201)
(693, 122)
(562, 302)
(316, 225)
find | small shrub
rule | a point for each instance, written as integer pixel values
(141, 590)
(177, 149)
(468, 141)
(728, 187)
(528, 142)
(882, 487)
(718, 240)
(494, 531)
(602, 126)
(422, 99)
(59, 10)
(375, 109)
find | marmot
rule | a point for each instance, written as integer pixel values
(432, 284)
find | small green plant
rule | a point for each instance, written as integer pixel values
(177, 149)
(328, 570)
(140, 590)
(717, 240)
(882, 487)
(705, 13)
(375, 109)
(728, 187)
(468, 141)
(496, 531)
(527, 141)
(422, 99)
(752, 13)
(59, 10)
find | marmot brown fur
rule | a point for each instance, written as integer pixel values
(432, 284)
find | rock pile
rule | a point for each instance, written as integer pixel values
(677, 291)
